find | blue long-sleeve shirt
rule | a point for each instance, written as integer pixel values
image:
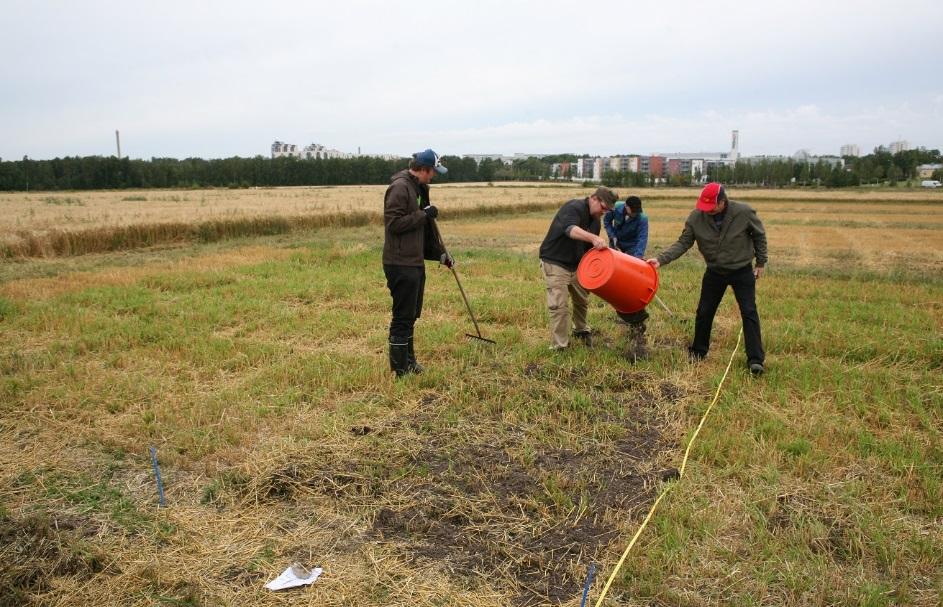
(630, 233)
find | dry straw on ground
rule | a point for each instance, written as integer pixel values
(493, 480)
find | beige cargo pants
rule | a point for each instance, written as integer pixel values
(562, 283)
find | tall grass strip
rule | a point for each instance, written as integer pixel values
(668, 487)
(105, 239)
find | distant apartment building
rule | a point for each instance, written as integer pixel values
(584, 168)
(644, 164)
(897, 147)
(284, 149)
(807, 157)
(926, 171)
(697, 168)
(802, 155)
(561, 170)
(660, 166)
(623, 164)
(850, 149)
(693, 164)
(683, 165)
(313, 151)
(656, 166)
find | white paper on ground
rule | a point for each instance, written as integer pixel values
(296, 575)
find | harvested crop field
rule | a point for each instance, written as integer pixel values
(256, 366)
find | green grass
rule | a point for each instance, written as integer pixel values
(85, 495)
(817, 484)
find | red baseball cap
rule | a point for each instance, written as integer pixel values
(708, 198)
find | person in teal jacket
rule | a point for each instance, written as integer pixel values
(627, 226)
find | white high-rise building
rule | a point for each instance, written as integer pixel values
(597, 169)
(899, 146)
(312, 151)
(850, 149)
(734, 146)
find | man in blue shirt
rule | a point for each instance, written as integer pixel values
(627, 226)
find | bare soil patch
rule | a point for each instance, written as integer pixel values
(36, 549)
(492, 502)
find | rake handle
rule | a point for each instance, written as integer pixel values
(662, 304)
(438, 237)
(465, 299)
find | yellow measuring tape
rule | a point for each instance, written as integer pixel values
(668, 487)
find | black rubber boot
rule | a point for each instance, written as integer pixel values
(399, 356)
(411, 364)
(586, 337)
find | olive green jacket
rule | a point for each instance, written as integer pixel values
(740, 239)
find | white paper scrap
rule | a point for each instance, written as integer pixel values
(296, 575)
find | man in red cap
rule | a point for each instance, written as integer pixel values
(729, 235)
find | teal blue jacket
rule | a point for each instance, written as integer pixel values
(630, 233)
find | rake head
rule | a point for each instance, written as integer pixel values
(479, 337)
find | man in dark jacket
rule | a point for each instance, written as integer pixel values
(410, 238)
(729, 235)
(574, 231)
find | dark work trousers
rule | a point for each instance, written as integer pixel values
(713, 287)
(406, 284)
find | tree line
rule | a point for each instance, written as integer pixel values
(110, 172)
(878, 168)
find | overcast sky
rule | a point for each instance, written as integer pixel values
(218, 79)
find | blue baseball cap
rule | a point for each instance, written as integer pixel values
(428, 158)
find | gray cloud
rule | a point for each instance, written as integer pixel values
(217, 79)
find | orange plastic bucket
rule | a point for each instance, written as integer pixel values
(627, 283)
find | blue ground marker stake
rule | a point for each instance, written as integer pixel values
(589, 581)
(160, 483)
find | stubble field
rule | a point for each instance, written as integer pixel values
(256, 366)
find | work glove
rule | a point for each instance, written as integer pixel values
(447, 261)
(431, 212)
